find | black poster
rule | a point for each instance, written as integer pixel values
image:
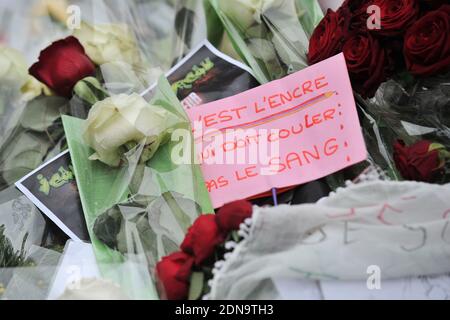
(206, 75)
(53, 189)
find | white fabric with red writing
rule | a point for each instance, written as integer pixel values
(401, 229)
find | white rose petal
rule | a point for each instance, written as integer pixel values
(105, 43)
(34, 88)
(121, 119)
(13, 67)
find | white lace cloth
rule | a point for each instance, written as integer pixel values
(403, 228)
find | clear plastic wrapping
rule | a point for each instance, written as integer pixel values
(132, 166)
(411, 111)
(271, 36)
(131, 44)
(140, 210)
(28, 244)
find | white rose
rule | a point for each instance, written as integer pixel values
(125, 119)
(13, 67)
(107, 43)
(14, 74)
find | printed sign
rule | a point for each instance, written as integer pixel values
(207, 75)
(284, 133)
(53, 189)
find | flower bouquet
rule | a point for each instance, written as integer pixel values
(138, 203)
(398, 58)
(271, 36)
(69, 76)
(29, 116)
(143, 197)
(185, 274)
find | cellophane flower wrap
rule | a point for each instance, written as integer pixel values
(57, 68)
(118, 47)
(271, 36)
(138, 201)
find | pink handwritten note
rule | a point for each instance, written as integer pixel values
(284, 133)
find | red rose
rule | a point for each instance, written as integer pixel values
(62, 65)
(366, 63)
(230, 216)
(327, 38)
(419, 162)
(427, 43)
(202, 238)
(396, 16)
(355, 13)
(173, 273)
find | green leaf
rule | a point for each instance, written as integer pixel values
(310, 14)
(196, 287)
(24, 153)
(90, 90)
(102, 187)
(262, 49)
(9, 257)
(42, 112)
(179, 207)
(169, 245)
(235, 236)
(214, 25)
(405, 78)
(107, 226)
(2, 106)
(162, 160)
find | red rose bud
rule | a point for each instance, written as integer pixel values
(173, 273)
(62, 65)
(328, 37)
(231, 215)
(202, 238)
(366, 63)
(420, 161)
(427, 44)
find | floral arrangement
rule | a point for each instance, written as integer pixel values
(83, 93)
(422, 161)
(70, 76)
(399, 68)
(28, 118)
(62, 65)
(409, 38)
(185, 274)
